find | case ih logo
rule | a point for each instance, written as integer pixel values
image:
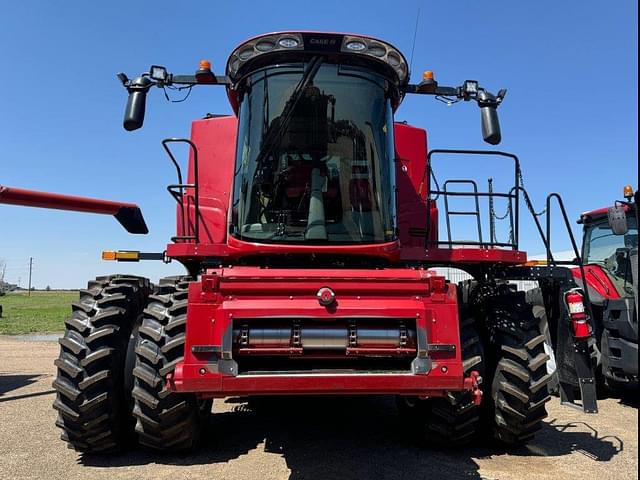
(328, 43)
(325, 42)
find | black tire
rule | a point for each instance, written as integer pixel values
(519, 383)
(165, 420)
(535, 299)
(93, 404)
(450, 421)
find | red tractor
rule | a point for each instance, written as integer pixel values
(307, 223)
(610, 252)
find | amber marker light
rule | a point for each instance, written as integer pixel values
(628, 191)
(121, 255)
(108, 255)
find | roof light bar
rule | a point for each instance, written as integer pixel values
(261, 45)
(323, 43)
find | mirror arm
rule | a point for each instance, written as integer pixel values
(469, 90)
(433, 89)
(194, 80)
(159, 77)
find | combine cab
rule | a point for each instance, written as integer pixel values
(307, 223)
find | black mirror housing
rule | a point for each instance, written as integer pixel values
(488, 104)
(136, 103)
(617, 217)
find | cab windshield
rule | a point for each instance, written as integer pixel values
(314, 161)
(611, 251)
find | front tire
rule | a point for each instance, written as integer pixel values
(536, 300)
(519, 385)
(165, 420)
(93, 403)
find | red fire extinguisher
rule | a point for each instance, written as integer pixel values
(577, 313)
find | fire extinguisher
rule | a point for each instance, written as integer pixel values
(577, 314)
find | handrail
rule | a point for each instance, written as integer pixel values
(512, 197)
(578, 256)
(475, 213)
(177, 190)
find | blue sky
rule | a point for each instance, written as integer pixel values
(570, 114)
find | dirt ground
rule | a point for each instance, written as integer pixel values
(303, 438)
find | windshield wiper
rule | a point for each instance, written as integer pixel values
(275, 134)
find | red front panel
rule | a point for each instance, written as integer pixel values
(216, 142)
(225, 299)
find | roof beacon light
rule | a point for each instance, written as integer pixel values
(428, 83)
(204, 73)
(628, 191)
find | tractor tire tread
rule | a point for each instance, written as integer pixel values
(519, 384)
(165, 420)
(88, 386)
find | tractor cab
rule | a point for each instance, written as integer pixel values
(605, 248)
(315, 146)
(610, 253)
(311, 162)
(610, 243)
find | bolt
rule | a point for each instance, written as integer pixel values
(290, 297)
(202, 371)
(444, 369)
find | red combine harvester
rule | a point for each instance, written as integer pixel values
(308, 224)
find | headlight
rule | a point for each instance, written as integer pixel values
(355, 46)
(288, 42)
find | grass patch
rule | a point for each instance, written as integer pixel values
(39, 313)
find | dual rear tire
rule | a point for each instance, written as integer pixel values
(121, 341)
(92, 399)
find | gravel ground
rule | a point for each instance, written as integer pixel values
(303, 438)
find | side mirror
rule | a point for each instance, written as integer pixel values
(488, 104)
(136, 103)
(617, 217)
